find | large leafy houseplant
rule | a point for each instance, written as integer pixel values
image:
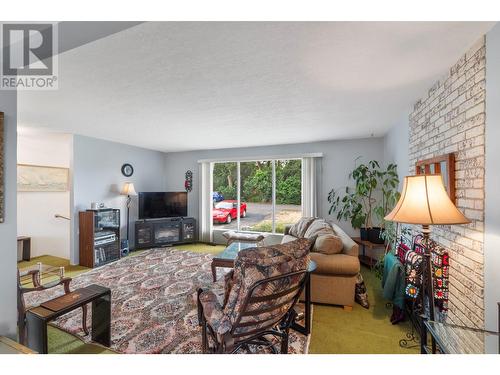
(388, 184)
(356, 205)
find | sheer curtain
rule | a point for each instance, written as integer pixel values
(309, 196)
(205, 202)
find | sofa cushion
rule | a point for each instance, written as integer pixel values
(299, 228)
(317, 228)
(287, 238)
(338, 264)
(328, 244)
(350, 247)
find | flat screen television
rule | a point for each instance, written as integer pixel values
(162, 204)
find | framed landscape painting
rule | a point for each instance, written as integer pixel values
(41, 178)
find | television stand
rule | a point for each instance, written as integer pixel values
(164, 232)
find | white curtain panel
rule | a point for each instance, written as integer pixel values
(205, 201)
(309, 196)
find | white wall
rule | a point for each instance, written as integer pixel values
(396, 143)
(36, 210)
(492, 181)
(97, 177)
(8, 253)
(333, 170)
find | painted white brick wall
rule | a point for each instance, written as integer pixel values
(451, 118)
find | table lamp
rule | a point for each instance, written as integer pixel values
(424, 201)
(128, 190)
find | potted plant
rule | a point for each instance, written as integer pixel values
(348, 208)
(388, 182)
(357, 203)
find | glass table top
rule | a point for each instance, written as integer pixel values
(453, 339)
(47, 273)
(232, 250)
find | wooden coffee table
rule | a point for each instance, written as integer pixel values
(227, 257)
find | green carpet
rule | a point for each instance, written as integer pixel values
(334, 331)
(360, 331)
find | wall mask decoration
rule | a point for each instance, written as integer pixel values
(188, 183)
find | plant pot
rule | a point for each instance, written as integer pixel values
(363, 233)
(374, 235)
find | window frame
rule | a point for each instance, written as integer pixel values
(273, 184)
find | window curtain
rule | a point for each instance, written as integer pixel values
(309, 196)
(205, 202)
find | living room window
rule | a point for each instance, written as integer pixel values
(257, 195)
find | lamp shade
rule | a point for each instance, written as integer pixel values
(128, 189)
(424, 201)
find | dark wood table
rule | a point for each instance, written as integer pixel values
(26, 244)
(37, 318)
(364, 258)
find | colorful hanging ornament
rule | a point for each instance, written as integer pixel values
(188, 183)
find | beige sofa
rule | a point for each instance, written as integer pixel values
(334, 280)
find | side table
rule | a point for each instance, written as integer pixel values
(37, 318)
(26, 246)
(453, 339)
(364, 258)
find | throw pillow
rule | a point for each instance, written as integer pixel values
(317, 228)
(328, 244)
(299, 228)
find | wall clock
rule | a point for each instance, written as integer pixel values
(127, 170)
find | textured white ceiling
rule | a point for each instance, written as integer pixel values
(175, 86)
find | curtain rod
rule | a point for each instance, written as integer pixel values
(262, 158)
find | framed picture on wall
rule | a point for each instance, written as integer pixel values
(443, 165)
(42, 178)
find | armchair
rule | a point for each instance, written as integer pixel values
(34, 277)
(261, 293)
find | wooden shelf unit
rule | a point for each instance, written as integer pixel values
(364, 258)
(99, 237)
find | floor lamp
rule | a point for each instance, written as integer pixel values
(128, 190)
(424, 201)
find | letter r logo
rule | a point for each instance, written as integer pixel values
(27, 49)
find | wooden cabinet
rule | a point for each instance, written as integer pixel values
(99, 237)
(164, 232)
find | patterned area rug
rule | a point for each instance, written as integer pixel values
(153, 302)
